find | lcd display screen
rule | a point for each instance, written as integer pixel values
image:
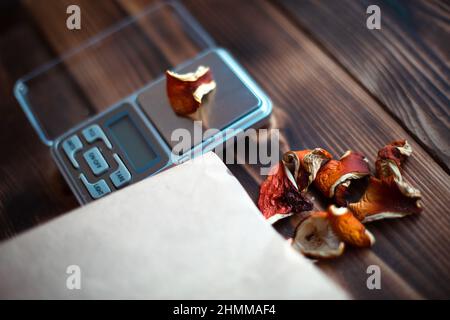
(133, 143)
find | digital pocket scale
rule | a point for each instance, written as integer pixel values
(132, 139)
(99, 153)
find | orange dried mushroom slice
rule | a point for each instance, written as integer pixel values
(279, 197)
(315, 238)
(305, 164)
(389, 195)
(186, 91)
(348, 228)
(386, 199)
(350, 166)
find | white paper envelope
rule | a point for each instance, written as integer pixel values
(191, 232)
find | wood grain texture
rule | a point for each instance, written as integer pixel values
(121, 61)
(32, 190)
(317, 103)
(406, 64)
(117, 63)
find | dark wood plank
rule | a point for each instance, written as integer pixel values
(31, 188)
(119, 63)
(319, 104)
(123, 62)
(405, 64)
(163, 29)
(98, 67)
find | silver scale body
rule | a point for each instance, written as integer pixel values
(95, 156)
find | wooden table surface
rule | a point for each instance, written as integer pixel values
(334, 83)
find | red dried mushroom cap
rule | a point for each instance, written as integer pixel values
(394, 153)
(186, 91)
(279, 196)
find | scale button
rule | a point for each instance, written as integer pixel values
(93, 133)
(121, 176)
(96, 161)
(71, 146)
(96, 190)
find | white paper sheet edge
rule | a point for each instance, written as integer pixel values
(191, 232)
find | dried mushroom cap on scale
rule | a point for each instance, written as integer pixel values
(186, 91)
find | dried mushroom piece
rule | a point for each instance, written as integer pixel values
(342, 193)
(392, 154)
(186, 91)
(395, 174)
(351, 166)
(389, 195)
(305, 164)
(348, 228)
(389, 163)
(279, 196)
(350, 191)
(360, 197)
(386, 198)
(315, 238)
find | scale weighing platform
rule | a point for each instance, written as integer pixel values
(132, 139)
